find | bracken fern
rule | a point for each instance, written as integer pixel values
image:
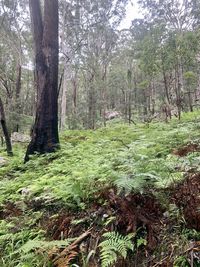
(115, 245)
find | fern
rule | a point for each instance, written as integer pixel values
(135, 182)
(45, 245)
(114, 245)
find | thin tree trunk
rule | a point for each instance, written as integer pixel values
(129, 81)
(91, 108)
(18, 91)
(178, 91)
(74, 85)
(91, 103)
(190, 101)
(104, 91)
(125, 105)
(165, 82)
(18, 83)
(5, 130)
(63, 102)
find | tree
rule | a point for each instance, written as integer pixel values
(5, 130)
(89, 33)
(13, 47)
(45, 137)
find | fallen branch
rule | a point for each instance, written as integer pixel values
(72, 246)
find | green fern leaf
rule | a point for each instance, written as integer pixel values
(115, 245)
(45, 245)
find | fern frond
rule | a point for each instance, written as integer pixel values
(128, 184)
(45, 245)
(114, 245)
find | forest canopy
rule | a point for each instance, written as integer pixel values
(147, 71)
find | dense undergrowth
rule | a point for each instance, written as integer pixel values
(137, 160)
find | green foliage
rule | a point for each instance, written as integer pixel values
(190, 76)
(12, 246)
(44, 245)
(114, 245)
(181, 262)
(143, 84)
(133, 158)
(126, 156)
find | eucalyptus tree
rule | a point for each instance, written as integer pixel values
(14, 55)
(5, 129)
(164, 49)
(97, 54)
(45, 32)
(89, 39)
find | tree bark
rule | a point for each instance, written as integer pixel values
(5, 130)
(17, 96)
(63, 102)
(74, 94)
(45, 131)
(37, 29)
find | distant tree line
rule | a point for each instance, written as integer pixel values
(150, 70)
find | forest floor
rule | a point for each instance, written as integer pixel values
(118, 196)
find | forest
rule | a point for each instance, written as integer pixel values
(100, 133)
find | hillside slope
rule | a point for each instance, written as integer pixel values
(118, 196)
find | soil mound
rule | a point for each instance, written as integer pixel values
(187, 197)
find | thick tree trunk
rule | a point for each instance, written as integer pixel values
(45, 131)
(37, 28)
(5, 130)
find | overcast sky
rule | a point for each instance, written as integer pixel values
(132, 12)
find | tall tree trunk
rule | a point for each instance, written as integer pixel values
(45, 131)
(104, 94)
(74, 93)
(165, 81)
(37, 28)
(18, 82)
(190, 100)
(17, 95)
(125, 104)
(178, 90)
(5, 130)
(129, 82)
(153, 97)
(91, 103)
(91, 108)
(63, 101)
